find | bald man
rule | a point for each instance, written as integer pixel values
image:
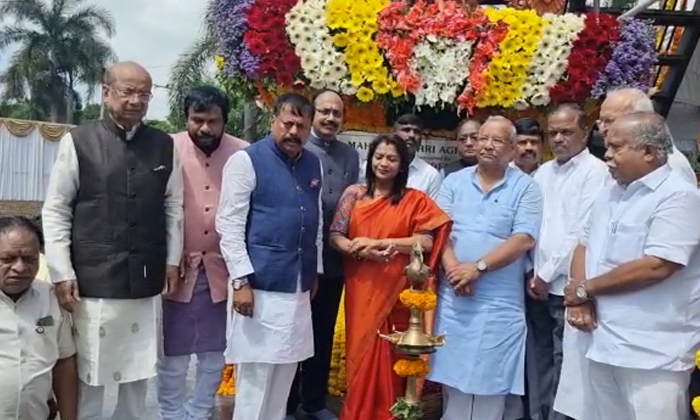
(627, 100)
(113, 224)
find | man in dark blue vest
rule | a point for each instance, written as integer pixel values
(271, 230)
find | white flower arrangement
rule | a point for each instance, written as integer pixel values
(443, 66)
(550, 60)
(322, 63)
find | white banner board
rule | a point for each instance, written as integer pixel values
(437, 151)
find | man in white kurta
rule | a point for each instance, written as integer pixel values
(622, 101)
(113, 220)
(271, 227)
(569, 183)
(638, 260)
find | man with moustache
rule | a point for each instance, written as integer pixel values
(421, 175)
(569, 185)
(482, 363)
(271, 225)
(466, 134)
(528, 147)
(194, 314)
(626, 100)
(340, 163)
(633, 283)
(113, 224)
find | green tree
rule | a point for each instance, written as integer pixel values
(60, 47)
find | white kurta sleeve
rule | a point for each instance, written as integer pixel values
(57, 213)
(66, 343)
(319, 232)
(434, 185)
(174, 212)
(238, 183)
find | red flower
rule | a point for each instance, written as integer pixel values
(589, 56)
(267, 39)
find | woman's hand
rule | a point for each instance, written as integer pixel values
(360, 244)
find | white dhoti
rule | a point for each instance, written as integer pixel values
(117, 348)
(635, 394)
(572, 394)
(461, 406)
(266, 349)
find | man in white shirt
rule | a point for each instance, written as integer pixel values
(569, 184)
(113, 224)
(271, 225)
(37, 352)
(421, 175)
(622, 101)
(634, 276)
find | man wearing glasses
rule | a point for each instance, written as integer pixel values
(113, 225)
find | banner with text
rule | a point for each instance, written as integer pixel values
(437, 151)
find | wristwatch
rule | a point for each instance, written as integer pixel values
(581, 292)
(482, 266)
(239, 283)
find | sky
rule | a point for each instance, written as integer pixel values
(152, 33)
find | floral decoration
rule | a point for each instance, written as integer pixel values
(433, 54)
(632, 60)
(228, 381)
(231, 26)
(548, 63)
(412, 367)
(267, 39)
(507, 71)
(354, 25)
(425, 300)
(322, 63)
(591, 52)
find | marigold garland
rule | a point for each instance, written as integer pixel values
(412, 367)
(507, 71)
(425, 300)
(336, 378)
(228, 382)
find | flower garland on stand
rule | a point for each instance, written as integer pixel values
(548, 64)
(322, 63)
(507, 72)
(237, 59)
(591, 53)
(227, 387)
(413, 367)
(266, 37)
(632, 60)
(353, 24)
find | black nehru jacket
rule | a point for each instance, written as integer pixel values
(118, 245)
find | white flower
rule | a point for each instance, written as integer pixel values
(443, 67)
(550, 60)
(321, 62)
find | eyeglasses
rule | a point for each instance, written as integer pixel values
(495, 140)
(328, 112)
(128, 94)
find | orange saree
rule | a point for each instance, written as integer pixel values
(372, 294)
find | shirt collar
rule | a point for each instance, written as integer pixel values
(416, 162)
(573, 162)
(315, 139)
(653, 179)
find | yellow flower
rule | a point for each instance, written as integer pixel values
(219, 60)
(365, 94)
(336, 377)
(355, 25)
(696, 405)
(697, 359)
(507, 71)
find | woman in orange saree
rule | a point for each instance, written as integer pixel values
(376, 227)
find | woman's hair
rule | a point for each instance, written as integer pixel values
(399, 186)
(8, 223)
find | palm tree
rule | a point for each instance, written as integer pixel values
(59, 47)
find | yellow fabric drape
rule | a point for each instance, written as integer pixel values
(23, 128)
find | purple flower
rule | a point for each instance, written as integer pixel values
(632, 61)
(230, 27)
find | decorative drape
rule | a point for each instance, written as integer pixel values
(27, 152)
